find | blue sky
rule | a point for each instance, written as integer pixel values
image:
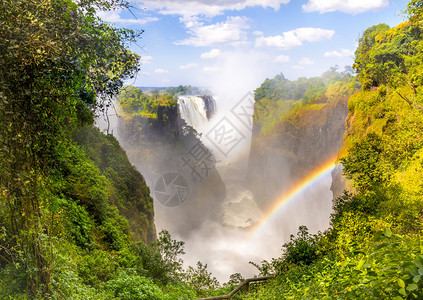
(241, 42)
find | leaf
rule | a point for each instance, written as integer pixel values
(408, 265)
(417, 278)
(412, 287)
(419, 262)
(413, 271)
(401, 283)
(383, 245)
(387, 232)
(360, 264)
(402, 291)
(397, 298)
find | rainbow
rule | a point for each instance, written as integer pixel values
(296, 189)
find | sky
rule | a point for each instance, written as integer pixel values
(208, 43)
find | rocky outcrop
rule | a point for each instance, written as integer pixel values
(170, 146)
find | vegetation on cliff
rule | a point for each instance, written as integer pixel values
(134, 102)
(374, 248)
(280, 100)
(74, 214)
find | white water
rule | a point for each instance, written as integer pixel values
(193, 110)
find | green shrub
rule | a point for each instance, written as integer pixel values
(302, 249)
(97, 267)
(134, 287)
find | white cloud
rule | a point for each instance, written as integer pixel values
(188, 66)
(231, 31)
(305, 61)
(211, 54)
(311, 34)
(295, 38)
(189, 8)
(146, 59)
(282, 59)
(346, 6)
(342, 53)
(159, 70)
(114, 17)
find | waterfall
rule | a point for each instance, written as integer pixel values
(196, 110)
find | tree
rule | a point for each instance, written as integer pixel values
(235, 279)
(415, 11)
(302, 249)
(363, 163)
(59, 62)
(364, 65)
(161, 259)
(170, 250)
(201, 279)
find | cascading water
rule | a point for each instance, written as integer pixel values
(239, 209)
(196, 110)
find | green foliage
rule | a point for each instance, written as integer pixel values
(133, 287)
(362, 54)
(155, 105)
(302, 249)
(187, 90)
(79, 223)
(201, 279)
(180, 291)
(373, 249)
(128, 190)
(415, 11)
(235, 279)
(308, 90)
(161, 260)
(96, 267)
(170, 251)
(58, 61)
(389, 56)
(279, 100)
(362, 165)
(389, 269)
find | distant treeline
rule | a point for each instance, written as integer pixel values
(309, 90)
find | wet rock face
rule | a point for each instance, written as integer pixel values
(338, 185)
(293, 148)
(158, 149)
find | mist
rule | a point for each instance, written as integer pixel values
(226, 231)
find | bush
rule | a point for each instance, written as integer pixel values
(133, 287)
(302, 249)
(97, 267)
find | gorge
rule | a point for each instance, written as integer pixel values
(233, 196)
